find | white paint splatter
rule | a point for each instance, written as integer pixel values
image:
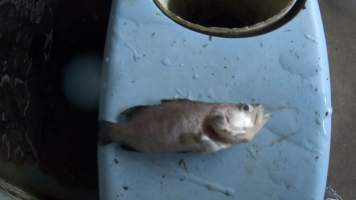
(29, 67)
(28, 140)
(26, 107)
(19, 81)
(3, 116)
(48, 45)
(5, 142)
(18, 153)
(5, 79)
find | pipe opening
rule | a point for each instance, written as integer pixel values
(226, 17)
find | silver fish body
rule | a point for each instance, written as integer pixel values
(186, 126)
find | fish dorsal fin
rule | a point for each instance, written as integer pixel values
(133, 111)
(176, 100)
(130, 113)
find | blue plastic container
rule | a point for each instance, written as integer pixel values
(149, 57)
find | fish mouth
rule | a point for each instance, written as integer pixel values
(261, 116)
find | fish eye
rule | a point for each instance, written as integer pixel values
(246, 107)
(219, 118)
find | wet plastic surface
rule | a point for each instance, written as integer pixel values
(149, 57)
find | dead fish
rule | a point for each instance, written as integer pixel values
(185, 126)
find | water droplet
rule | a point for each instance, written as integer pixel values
(137, 57)
(261, 44)
(328, 112)
(107, 59)
(166, 62)
(195, 76)
(205, 45)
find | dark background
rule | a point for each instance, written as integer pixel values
(37, 126)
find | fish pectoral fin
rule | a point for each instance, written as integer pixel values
(175, 100)
(210, 145)
(133, 111)
(189, 139)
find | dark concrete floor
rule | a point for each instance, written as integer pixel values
(339, 22)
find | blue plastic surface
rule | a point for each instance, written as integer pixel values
(149, 57)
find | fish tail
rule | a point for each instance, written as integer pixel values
(105, 132)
